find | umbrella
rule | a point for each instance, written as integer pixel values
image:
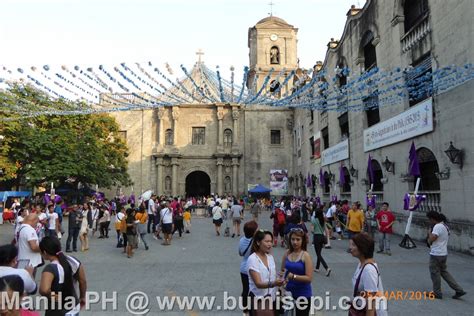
(146, 195)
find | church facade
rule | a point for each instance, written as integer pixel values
(205, 148)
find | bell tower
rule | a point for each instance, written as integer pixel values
(272, 43)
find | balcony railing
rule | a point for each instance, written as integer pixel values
(432, 202)
(416, 34)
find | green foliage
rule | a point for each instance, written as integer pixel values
(55, 148)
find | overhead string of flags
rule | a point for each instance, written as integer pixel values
(139, 86)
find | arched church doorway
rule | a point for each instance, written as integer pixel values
(198, 183)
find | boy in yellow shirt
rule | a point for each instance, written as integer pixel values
(187, 220)
(355, 220)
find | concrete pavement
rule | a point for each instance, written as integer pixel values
(201, 264)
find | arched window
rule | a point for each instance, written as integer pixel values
(370, 55)
(414, 12)
(168, 183)
(228, 138)
(346, 188)
(428, 169)
(378, 175)
(327, 183)
(371, 102)
(169, 137)
(275, 55)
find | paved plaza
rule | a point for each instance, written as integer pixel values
(201, 264)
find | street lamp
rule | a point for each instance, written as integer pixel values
(455, 155)
(389, 166)
(353, 171)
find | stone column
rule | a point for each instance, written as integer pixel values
(161, 136)
(152, 176)
(174, 176)
(175, 115)
(220, 162)
(235, 133)
(235, 175)
(220, 135)
(159, 176)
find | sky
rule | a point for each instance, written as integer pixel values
(94, 32)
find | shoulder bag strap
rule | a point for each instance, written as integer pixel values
(246, 249)
(356, 286)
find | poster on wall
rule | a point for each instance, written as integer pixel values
(279, 181)
(279, 175)
(279, 188)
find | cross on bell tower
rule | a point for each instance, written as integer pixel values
(271, 4)
(200, 53)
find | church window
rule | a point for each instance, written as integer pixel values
(275, 137)
(169, 137)
(228, 138)
(378, 175)
(419, 80)
(199, 135)
(414, 11)
(344, 125)
(370, 55)
(275, 55)
(325, 135)
(371, 106)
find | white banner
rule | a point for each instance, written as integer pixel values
(335, 153)
(415, 121)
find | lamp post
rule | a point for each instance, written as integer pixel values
(455, 155)
(389, 165)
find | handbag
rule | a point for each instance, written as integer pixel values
(353, 311)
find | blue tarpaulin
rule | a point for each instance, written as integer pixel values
(260, 189)
(4, 195)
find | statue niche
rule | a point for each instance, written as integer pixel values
(275, 55)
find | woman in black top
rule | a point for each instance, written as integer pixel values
(57, 279)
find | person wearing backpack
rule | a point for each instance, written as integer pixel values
(279, 222)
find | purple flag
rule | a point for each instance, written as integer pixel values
(370, 171)
(309, 182)
(342, 176)
(414, 165)
(322, 181)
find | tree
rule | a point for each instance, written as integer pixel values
(38, 149)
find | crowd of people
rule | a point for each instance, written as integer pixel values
(39, 228)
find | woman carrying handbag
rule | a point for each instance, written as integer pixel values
(366, 281)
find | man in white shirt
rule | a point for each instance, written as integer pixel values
(330, 214)
(8, 266)
(438, 239)
(151, 214)
(53, 222)
(27, 241)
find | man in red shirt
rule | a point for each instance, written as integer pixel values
(385, 220)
